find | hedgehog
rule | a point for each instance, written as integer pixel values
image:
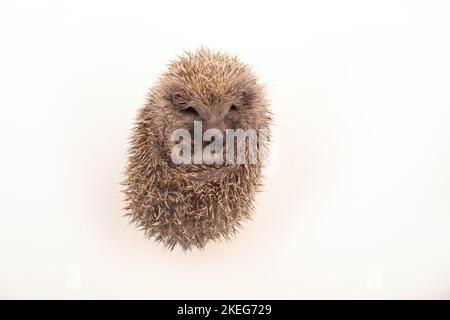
(190, 204)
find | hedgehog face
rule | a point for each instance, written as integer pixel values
(215, 108)
(230, 112)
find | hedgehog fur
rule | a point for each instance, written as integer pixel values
(189, 205)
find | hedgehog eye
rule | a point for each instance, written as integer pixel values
(190, 110)
(233, 108)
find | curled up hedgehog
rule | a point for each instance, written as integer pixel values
(183, 200)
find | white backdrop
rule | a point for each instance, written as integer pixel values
(357, 205)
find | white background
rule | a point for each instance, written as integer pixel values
(357, 207)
